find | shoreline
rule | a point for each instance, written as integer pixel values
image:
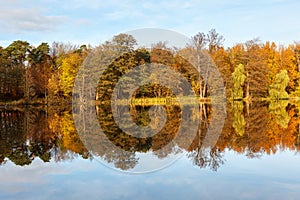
(134, 101)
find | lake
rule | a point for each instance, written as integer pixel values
(253, 152)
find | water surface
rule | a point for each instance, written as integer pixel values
(256, 155)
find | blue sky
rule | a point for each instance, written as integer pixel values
(94, 21)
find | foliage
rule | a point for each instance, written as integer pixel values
(238, 118)
(44, 72)
(252, 69)
(277, 88)
(69, 68)
(238, 77)
(278, 110)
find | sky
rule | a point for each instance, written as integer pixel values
(95, 21)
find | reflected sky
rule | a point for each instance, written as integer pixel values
(268, 177)
(228, 171)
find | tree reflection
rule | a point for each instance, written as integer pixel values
(28, 133)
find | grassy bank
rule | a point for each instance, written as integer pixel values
(158, 101)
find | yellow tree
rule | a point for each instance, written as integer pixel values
(270, 57)
(221, 57)
(294, 69)
(288, 61)
(69, 67)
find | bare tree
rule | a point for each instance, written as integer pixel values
(215, 40)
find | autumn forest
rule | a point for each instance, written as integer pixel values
(261, 81)
(250, 70)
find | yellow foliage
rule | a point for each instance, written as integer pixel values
(69, 68)
(64, 126)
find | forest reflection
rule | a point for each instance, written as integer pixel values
(252, 129)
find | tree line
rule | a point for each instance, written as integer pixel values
(250, 70)
(36, 74)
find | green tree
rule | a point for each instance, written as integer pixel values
(238, 77)
(15, 55)
(277, 88)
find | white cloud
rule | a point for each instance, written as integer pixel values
(84, 20)
(20, 20)
(39, 173)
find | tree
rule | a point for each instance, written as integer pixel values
(277, 88)
(39, 71)
(197, 46)
(199, 58)
(16, 55)
(199, 41)
(291, 62)
(123, 43)
(4, 69)
(238, 77)
(215, 40)
(69, 68)
(222, 59)
(257, 78)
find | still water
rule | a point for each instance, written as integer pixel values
(44, 154)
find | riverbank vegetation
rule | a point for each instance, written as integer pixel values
(253, 70)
